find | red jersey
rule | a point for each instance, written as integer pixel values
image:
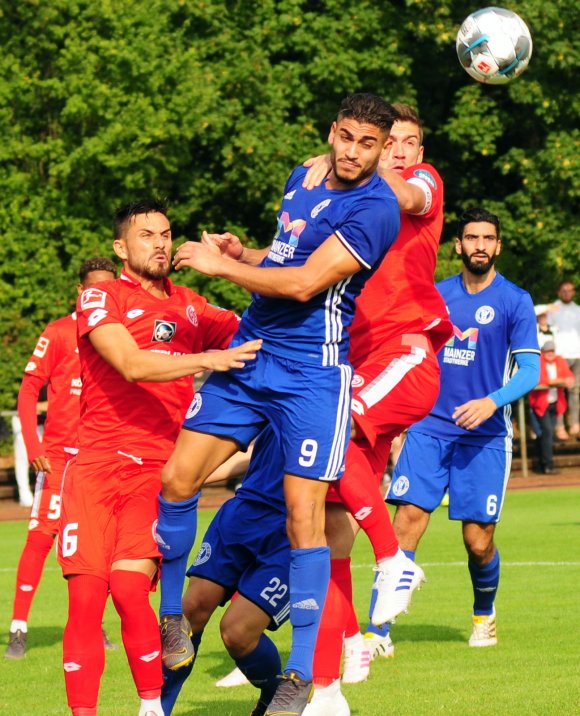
(400, 297)
(142, 419)
(55, 360)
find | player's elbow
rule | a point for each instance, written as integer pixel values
(305, 288)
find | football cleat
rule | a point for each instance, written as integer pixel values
(484, 633)
(107, 643)
(177, 649)
(395, 583)
(291, 697)
(357, 660)
(329, 701)
(380, 645)
(16, 648)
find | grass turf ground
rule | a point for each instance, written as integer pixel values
(533, 670)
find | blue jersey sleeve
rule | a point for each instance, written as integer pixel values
(525, 379)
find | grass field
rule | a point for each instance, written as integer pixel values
(534, 670)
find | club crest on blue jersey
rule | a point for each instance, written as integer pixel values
(484, 315)
(319, 207)
(163, 331)
(203, 555)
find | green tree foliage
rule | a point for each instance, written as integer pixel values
(210, 103)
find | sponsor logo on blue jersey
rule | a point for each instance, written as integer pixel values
(461, 355)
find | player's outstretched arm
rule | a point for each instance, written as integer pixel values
(117, 346)
(230, 245)
(410, 197)
(329, 264)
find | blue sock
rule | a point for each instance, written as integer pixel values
(485, 582)
(309, 577)
(174, 680)
(176, 530)
(262, 667)
(384, 629)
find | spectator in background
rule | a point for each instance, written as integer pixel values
(548, 401)
(566, 320)
(546, 332)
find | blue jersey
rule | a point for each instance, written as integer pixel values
(489, 327)
(366, 220)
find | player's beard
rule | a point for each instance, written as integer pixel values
(477, 268)
(149, 273)
(350, 179)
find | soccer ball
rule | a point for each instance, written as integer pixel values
(494, 45)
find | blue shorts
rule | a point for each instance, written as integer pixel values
(246, 549)
(308, 406)
(475, 476)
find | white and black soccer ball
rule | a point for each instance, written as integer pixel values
(494, 45)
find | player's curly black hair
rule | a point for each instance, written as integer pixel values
(97, 263)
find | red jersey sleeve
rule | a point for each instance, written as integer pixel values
(428, 180)
(218, 326)
(97, 307)
(37, 372)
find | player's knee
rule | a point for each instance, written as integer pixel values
(198, 614)
(480, 550)
(238, 639)
(175, 487)
(410, 523)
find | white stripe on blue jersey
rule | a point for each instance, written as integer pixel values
(342, 422)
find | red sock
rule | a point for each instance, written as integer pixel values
(352, 626)
(361, 495)
(30, 565)
(83, 651)
(139, 629)
(328, 651)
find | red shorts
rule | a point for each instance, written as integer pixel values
(390, 393)
(109, 510)
(45, 512)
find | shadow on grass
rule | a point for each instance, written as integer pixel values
(41, 636)
(426, 632)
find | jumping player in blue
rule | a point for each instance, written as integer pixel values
(244, 550)
(328, 242)
(465, 444)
